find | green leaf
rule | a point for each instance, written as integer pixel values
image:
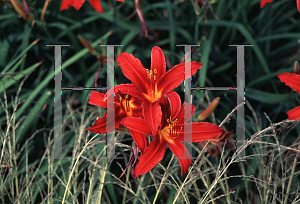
(266, 97)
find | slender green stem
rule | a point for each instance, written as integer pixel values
(180, 189)
(139, 188)
(102, 180)
(162, 181)
(90, 186)
(127, 181)
(15, 162)
(291, 178)
(73, 169)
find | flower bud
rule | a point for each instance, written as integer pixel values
(212, 106)
(86, 44)
(21, 11)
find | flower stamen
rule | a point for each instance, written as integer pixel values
(152, 91)
(173, 128)
(125, 102)
(127, 106)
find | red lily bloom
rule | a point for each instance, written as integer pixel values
(77, 4)
(151, 85)
(124, 106)
(293, 81)
(171, 133)
(263, 2)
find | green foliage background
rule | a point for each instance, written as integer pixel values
(30, 174)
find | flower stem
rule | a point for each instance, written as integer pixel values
(157, 192)
(291, 178)
(102, 180)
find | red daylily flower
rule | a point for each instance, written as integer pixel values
(151, 85)
(124, 105)
(293, 81)
(77, 4)
(171, 133)
(263, 2)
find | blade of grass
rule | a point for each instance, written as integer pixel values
(162, 180)
(66, 63)
(10, 64)
(172, 32)
(249, 39)
(203, 71)
(11, 81)
(266, 97)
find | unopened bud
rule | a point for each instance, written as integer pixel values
(212, 106)
(86, 44)
(21, 11)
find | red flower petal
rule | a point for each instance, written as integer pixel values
(291, 80)
(186, 106)
(117, 119)
(294, 114)
(175, 76)
(201, 131)
(152, 155)
(152, 114)
(298, 5)
(137, 113)
(182, 154)
(96, 5)
(140, 139)
(263, 2)
(125, 89)
(133, 69)
(137, 124)
(158, 62)
(65, 4)
(99, 126)
(96, 99)
(175, 103)
(102, 126)
(165, 108)
(78, 4)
